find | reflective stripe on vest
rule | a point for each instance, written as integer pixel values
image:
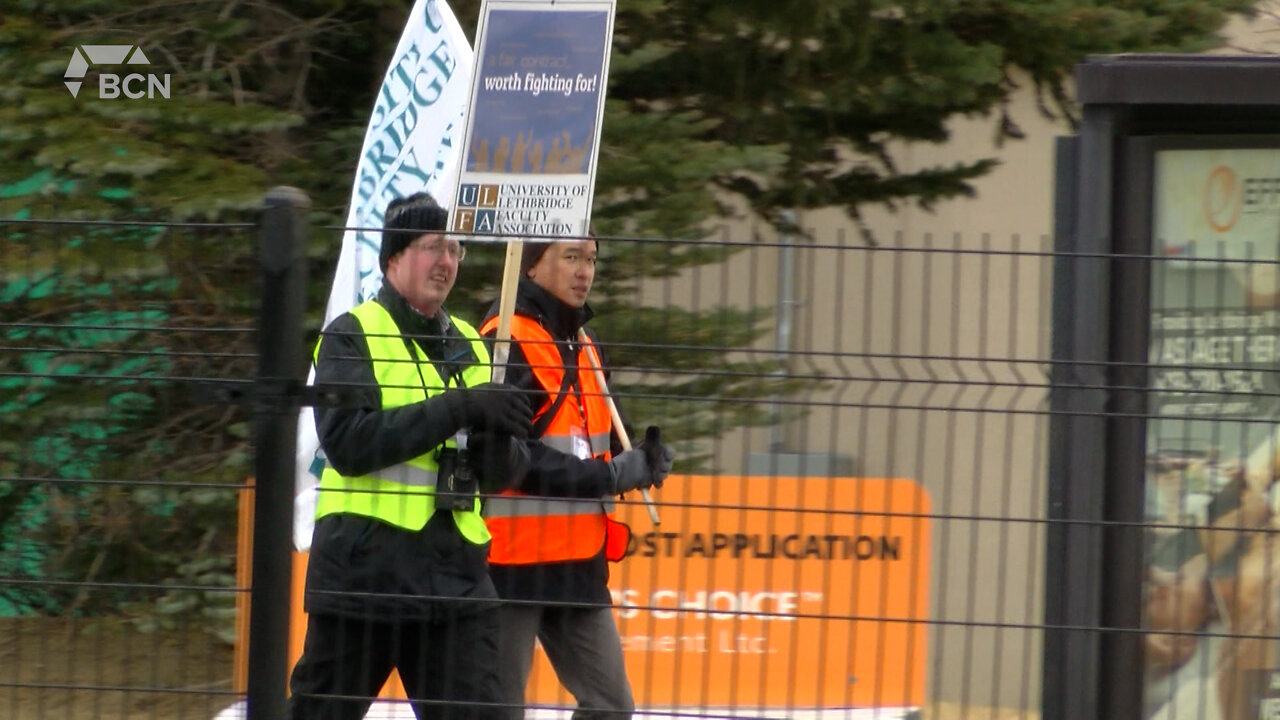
(520, 505)
(529, 529)
(406, 474)
(599, 442)
(403, 494)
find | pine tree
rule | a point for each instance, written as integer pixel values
(832, 85)
(796, 104)
(784, 104)
(114, 325)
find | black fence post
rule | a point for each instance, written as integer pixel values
(280, 375)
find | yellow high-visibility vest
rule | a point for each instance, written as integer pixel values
(404, 494)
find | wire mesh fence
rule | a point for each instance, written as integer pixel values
(119, 480)
(857, 522)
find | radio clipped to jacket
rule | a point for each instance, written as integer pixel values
(456, 480)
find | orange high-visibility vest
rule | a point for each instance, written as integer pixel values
(529, 529)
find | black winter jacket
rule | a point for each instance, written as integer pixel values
(364, 567)
(553, 473)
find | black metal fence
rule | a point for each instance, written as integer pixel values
(120, 474)
(859, 518)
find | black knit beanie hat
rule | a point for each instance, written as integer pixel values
(407, 219)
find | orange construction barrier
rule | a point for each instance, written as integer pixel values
(757, 592)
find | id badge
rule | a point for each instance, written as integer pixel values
(581, 446)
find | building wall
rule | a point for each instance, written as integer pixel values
(933, 344)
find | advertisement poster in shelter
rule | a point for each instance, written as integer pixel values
(534, 121)
(1212, 581)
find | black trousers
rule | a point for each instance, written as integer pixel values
(449, 667)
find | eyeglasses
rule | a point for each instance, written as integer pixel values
(438, 246)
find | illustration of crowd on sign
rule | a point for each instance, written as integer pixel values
(526, 155)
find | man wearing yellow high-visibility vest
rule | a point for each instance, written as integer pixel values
(397, 576)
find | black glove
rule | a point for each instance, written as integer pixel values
(658, 458)
(500, 460)
(629, 471)
(496, 407)
(658, 455)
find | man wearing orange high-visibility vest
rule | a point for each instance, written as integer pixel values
(553, 535)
